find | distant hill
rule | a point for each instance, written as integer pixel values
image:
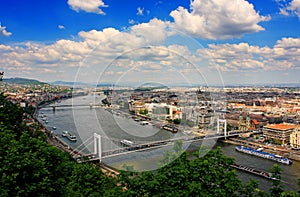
(70, 83)
(150, 86)
(23, 81)
(83, 84)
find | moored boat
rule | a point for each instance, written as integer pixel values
(68, 135)
(170, 128)
(265, 155)
(251, 170)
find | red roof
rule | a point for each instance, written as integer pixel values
(255, 121)
(280, 126)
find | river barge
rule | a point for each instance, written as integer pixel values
(251, 170)
(265, 155)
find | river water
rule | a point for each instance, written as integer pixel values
(84, 121)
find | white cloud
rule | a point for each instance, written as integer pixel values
(3, 31)
(95, 50)
(153, 32)
(288, 43)
(61, 27)
(283, 11)
(92, 6)
(141, 49)
(131, 21)
(140, 11)
(5, 48)
(244, 57)
(218, 19)
(295, 7)
(291, 8)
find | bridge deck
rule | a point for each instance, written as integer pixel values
(152, 145)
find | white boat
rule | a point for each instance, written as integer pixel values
(64, 133)
(265, 155)
(127, 142)
(145, 123)
(68, 135)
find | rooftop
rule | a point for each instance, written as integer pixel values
(282, 127)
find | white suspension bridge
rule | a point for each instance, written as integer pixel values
(98, 154)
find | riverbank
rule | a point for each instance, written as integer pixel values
(294, 155)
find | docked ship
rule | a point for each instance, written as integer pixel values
(265, 155)
(68, 135)
(251, 170)
(170, 128)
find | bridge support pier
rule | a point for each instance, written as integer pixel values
(225, 126)
(53, 108)
(97, 146)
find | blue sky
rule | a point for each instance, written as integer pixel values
(200, 41)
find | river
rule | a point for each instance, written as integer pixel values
(83, 121)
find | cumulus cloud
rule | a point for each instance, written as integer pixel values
(95, 49)
(218, 19)
(92, 6)
(61, 27)
(141, 50)
(244, 57)
(295, 7)
(3, 31)
(131, 21)
(146, 31)
(291, 8)
(5, 48)
(288, 43)
(140, 11)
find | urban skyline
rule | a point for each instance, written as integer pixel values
(199, 42)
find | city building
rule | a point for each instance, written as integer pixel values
(278, 133)
(295, 139)
(244, 124)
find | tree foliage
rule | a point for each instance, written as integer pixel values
(210, 175)
(31, 167)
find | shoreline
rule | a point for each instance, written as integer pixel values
(274, 150)
(53, 139)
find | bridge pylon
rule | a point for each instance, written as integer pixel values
(97, 146)
(225, 126)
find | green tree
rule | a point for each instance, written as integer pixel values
(170, 156)
(208, 175)
(276, 188)
(88, 180)
(31, 167)
(299, 186)
(143, 111)
(250, 189)
(176, 121)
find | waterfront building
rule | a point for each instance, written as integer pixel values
(295, 139)
(278, 133)
(163, 109)
(136, 106)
